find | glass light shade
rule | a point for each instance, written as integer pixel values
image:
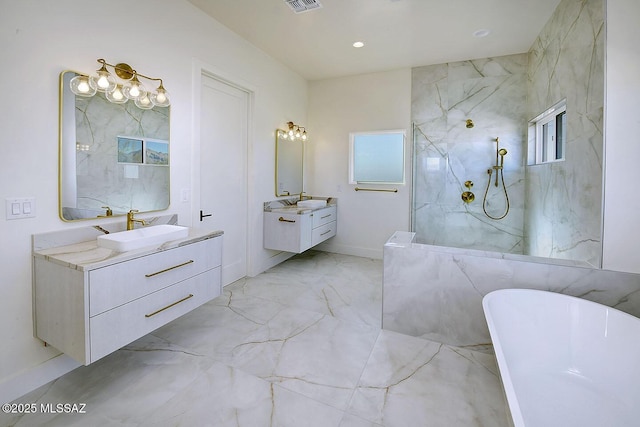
(80, 85)
(134, 89)
(304, 135)
(161, 97)
(144, 102)
(116, 95)
(298, 133)
(103, 81)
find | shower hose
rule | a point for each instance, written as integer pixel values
(506, 196)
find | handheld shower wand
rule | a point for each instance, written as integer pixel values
(499, 168)
(501, 152)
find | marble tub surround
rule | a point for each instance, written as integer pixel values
(436, 293)
(78, 249)
(289, 205)
(273, 351)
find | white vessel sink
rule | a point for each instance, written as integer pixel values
(312, 204)
(141, 237)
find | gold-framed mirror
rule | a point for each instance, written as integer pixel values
(112, 157)
(289, 165)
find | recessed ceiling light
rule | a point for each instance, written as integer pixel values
(481, 33)
(358, 44)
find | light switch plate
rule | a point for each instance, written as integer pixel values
(20, 207)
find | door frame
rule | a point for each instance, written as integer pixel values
(199, 69)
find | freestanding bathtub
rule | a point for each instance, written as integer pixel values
(565, 361)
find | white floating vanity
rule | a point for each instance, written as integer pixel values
(293, 227)
(90, 301)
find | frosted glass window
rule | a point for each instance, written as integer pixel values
(377, 157)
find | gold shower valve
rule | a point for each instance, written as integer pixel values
(468, 196)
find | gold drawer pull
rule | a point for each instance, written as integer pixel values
(169, 306)
(326, 216)
(281, 219)
(169, 269)
(326, 232)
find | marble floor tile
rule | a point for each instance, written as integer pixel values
(412, 381)
(299, 345)
(216, 328)
(313, 354)
(123, 388)
(225, 396)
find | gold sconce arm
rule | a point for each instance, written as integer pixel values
(293, 132)
(120, 92)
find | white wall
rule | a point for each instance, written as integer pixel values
(622, 137)
(38, 40)
(378, 101)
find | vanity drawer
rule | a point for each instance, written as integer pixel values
(117, 284)
(322, 233)
(122, 325)
(324, 216)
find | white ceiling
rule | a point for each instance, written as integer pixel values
(397, 33)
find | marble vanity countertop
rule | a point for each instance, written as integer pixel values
(88, 255)
(288, 206)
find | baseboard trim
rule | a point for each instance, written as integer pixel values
(24, 382)
(351, 250)
(271, 262)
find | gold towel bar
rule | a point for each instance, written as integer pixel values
(391, 190)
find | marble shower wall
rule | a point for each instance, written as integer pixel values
(564, 200)
(101, 180)
(492, 93)
(555, 208)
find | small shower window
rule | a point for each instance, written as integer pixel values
(548, 134)
(376, 157)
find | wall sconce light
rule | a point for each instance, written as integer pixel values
(120, 92)
(294, 132)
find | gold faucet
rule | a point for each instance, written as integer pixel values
(302, 196)
(109, 211)
(131, 220)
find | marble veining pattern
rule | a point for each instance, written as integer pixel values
(491, 92)
(79, 250)
(556, 207)
(436, 293)
(299, 345)
(289, 206)
(564, 199)
(101, 179)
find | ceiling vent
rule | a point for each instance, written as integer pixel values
(299, 6)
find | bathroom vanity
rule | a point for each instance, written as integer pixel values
(90, 301)
(295, 228)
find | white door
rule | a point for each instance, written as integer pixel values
(223, 171)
